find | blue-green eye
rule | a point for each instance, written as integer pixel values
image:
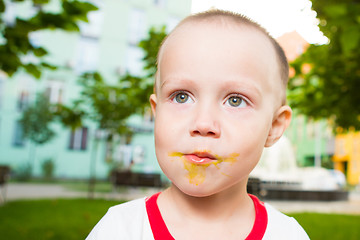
(181, 97)
(236, 101)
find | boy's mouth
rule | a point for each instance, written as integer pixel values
(204, 158)
(200, 158)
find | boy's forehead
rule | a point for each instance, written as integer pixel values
(206, 40)
(217, 27)
(194, 34)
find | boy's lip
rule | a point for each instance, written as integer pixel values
(200, 157)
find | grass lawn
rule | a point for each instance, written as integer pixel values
(68, 219)
(74, 218)
(329, 226)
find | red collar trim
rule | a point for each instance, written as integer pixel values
(160, 231)
(158, 226)
(261, 220)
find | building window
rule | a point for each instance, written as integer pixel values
(93, 28)
(88, 54)
(160, 3)
(23, 100)
(137, 26)
(78, 139)
(54, 92)
(18, 139)
(134, 63)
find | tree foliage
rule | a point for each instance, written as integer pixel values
(15, 33)
(151, 46)
(110, 105)
(36, 120)
(327, 79)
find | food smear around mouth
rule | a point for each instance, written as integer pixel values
(197, 172)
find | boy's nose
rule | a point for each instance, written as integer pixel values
(205, 124)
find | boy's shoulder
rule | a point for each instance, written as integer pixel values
(281, 226)
(126, 207)
(124, 221)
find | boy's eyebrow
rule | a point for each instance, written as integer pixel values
(177, 81)
(252, 89)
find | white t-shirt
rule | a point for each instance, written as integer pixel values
(141, 220)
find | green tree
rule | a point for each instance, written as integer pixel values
(327, 79)
(35, 121)
(14, 33)
(150, 47)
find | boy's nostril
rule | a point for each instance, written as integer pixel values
(203, 133)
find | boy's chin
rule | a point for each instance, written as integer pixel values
(210, 188)
(199, 191)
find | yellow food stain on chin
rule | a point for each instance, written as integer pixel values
(197, 172)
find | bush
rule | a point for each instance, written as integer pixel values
(24, 172)
(48, 167)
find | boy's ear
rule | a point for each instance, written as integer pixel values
(280, 122)
(153, 102)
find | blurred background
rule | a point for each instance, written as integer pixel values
(75, 79)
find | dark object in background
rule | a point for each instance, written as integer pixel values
(128, 178)
(4, 178)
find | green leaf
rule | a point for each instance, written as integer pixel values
(2, 6)
(39, 52)
(350, 39)
(335, 10)
(41, 1)
(33, 70)
(49, 66)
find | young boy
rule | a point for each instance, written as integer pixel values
(219, 100)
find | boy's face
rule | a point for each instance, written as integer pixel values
(217, 105)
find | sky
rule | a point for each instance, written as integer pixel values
(276, 16)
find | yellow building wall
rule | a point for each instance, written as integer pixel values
(347, 152)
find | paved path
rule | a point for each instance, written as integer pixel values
(352, 206)
(16, 191)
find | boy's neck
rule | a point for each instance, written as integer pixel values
(231, 207)
(230, 198)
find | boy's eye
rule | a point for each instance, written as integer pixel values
(182, 97)
(236, 101)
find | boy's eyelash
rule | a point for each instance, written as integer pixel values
(239, 96)
(173, 95)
